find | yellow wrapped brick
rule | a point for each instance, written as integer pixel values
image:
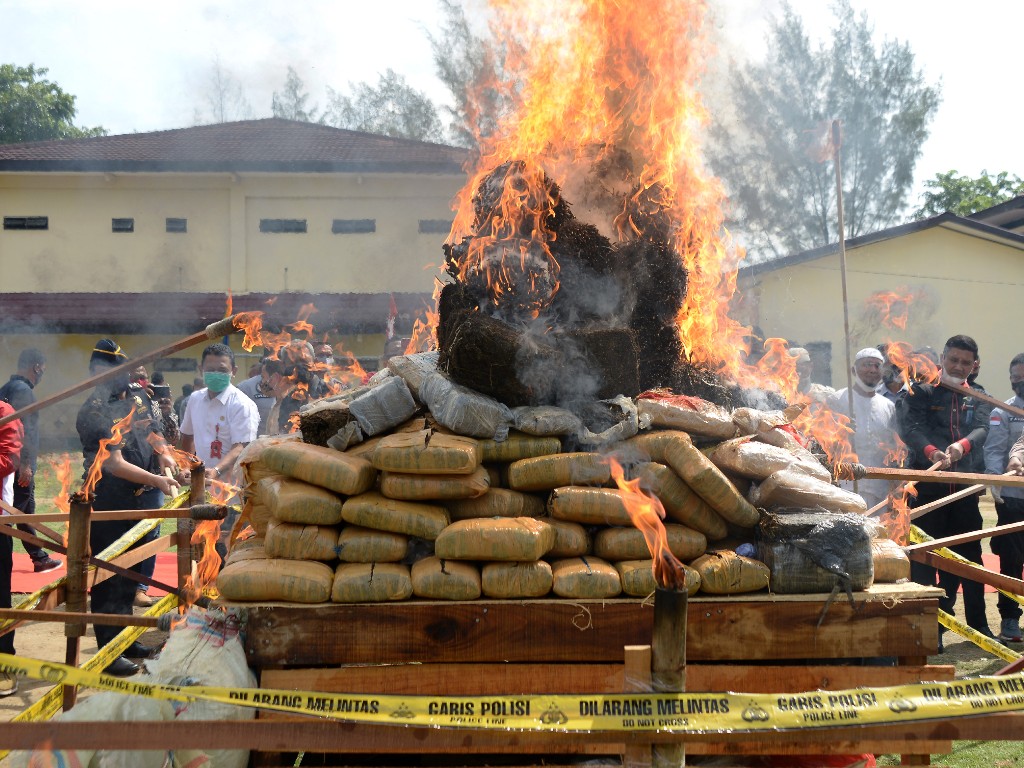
(637, 577)
(516, 580)
(494, 474)
(891, 563)
(371, 583)
(293, 581)
(398, 485)
(709, 483)
(365, 545)
(259, 516)
(372, 510)
(518, 446)
(654, 444)
(294, 541)
(294, 501)
(544, 473)
(589, 506)
(629, 544)
(680, 502)
(723, 572)
(585, 577)
(571, 539)
(497, 502)
(246, 549)
(500, 538)
(427, 453)
(325, 467)
(439, 579)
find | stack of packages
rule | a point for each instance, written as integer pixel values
(415, 486)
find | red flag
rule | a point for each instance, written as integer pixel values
(392, 316)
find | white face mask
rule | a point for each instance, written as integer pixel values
(947, 379)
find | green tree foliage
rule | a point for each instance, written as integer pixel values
(470, 66)
(34, 109)
(771, 157)
(291, 102)
(391, 108)
(963, 195)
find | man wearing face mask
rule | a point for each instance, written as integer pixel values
(131, 469)
(219, 422)
(1005, 430)
(18, 392)
(874, 422)
(950, 428)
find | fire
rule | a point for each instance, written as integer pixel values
(830, 429)
(913, 366)
(62, 468)
(230, 304)
(205, 535)
(605, 105)
(893, 309)
(897, 521)
(186, 461)
(424, 331)
(341, 377)
(103, 453)
(302, 324)
(647, 512)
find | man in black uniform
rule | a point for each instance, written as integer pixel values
(949, 427)
(18, 392)
(131, 469)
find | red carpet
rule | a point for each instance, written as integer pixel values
(25, 580)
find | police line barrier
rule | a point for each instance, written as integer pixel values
(582, 713)
(982, 641)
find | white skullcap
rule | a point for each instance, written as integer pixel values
(801, 354)
(869, 352)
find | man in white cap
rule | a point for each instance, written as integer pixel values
(874, 421)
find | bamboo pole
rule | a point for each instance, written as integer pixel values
(216, 330)
(196, 496)
(906, 486)
(198, 512)
(849, 471)
(637, 680)
(837, 143)
(76, 584)
(963, 538)
(75, 617)
(984, 397)
(668, 661)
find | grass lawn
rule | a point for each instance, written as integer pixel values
(965, 754)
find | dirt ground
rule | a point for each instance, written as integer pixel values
(46, 641)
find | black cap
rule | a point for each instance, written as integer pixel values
(107, 351)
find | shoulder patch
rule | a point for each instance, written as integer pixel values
(995, 419)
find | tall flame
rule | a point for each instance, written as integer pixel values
(62, 469)
(647, 512)
(103, 453)
(891, 307)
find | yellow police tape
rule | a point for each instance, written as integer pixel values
(985, 643)
(674, 712)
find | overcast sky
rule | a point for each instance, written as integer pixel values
(142, 66)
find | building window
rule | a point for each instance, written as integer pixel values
(353, 226)
(290, 226)
(122, 225)
(177, 225)
(435, 226)
(26, 222)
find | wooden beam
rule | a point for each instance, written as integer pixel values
(969, 571)
(69, 617)
(848, 471)
(198, 512)
(133, 556)
(984, 397)
(963, 538)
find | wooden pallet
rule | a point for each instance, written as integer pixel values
(757, 643)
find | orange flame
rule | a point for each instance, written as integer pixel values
(897, 521)
(230, 304)
(103, 453)
(647, 512)
(913, 366)
(424, 331)
(302, 324)
(832, 430)
(892, 308)
(62, 468)
(205, 535)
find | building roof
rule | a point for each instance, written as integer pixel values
(1008, 215)
(271, 145)
(186, 313)
(967, 226)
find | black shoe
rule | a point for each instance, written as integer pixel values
(121, 667)
(45, 565)
(139, 651)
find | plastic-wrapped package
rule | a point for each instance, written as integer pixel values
(815, 551)
(496, 539)
(546, 421)
(772, 427)
(723, 572)
(346, 437)
(789, 488)
(383, 407)
(890, 561)
(623, 430)
(427, 453)
(756, 460)
(708, 482)
(690, 414)
(464, 411)
(414, 368)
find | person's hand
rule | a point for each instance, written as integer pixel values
(167, 485)
(166, 404)
(996, 492)
(954, 452)
(941, 458)
(25, 477)
(1015, 466)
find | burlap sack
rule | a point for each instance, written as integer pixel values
(516, 580)
(372, 510)
(440, 579)
(519, 539)
(371, 583)
(365, 545)
(294, 581)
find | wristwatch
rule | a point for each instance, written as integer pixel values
(216, 469)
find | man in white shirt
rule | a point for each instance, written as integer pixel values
(219, 421)
(874, 422)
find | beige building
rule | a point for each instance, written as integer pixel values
(949, 274)
(141, 238)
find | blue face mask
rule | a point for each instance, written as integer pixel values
(216, 382)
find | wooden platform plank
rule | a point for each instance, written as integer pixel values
(559, 631)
